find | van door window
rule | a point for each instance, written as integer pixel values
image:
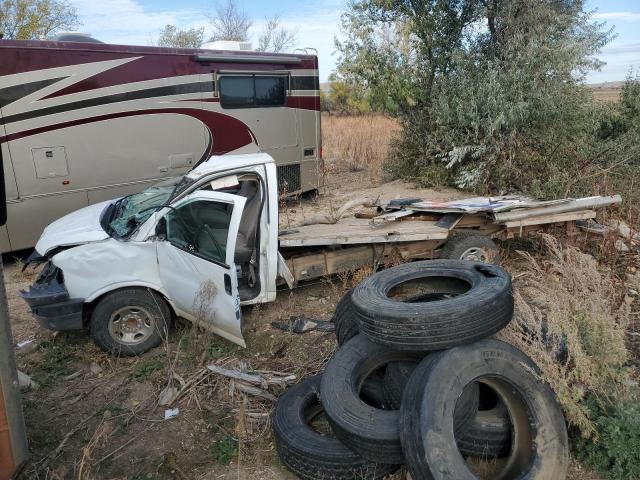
(201, 228)
(252, 91)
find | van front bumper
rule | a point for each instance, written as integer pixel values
(50, 304)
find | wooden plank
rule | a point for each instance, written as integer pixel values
(449, 220)
(354, 231)
(554, 218)
(391, 217)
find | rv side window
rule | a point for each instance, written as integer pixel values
(252, 91)
(236, 92)
(270, 91)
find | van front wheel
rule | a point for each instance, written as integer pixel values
(130, 321)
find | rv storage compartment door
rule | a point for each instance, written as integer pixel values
(196, 260)
(50, 162)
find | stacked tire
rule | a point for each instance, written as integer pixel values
(418, 381)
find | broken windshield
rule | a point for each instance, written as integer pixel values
(133, 210)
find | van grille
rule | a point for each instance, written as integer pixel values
(289, 178)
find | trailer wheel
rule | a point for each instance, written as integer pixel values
(345, 320)
(471, 247)
(539, 446)
(309, 453)
(130, 321)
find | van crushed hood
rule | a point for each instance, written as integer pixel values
(76, 228)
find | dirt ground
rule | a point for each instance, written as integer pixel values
(94, 416)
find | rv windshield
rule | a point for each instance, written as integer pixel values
(133, 210)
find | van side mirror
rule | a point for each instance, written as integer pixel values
(161, 229)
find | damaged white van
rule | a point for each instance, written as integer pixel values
(126, 267)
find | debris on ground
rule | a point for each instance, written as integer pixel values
(255, 383)
(303, 324)
(25, 381)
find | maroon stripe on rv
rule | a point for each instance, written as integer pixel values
(29, 55)
(300, 102)
(305, 103)
(231, 133)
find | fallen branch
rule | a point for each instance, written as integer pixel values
(251, 390)
(264, 381)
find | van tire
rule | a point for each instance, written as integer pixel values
(471, 246)
(372, 432)
(482, 307)
(306, 452)
(144, 306)
(539, 452)
(344, 319)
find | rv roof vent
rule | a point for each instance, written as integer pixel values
(227, 45)
(75, 37)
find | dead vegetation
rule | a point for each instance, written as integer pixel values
(572, 319)
(358, 143)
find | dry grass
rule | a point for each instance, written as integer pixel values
(572, 320)
(358, 143)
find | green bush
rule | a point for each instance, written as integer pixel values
(616, 450)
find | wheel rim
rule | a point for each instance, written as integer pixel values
(476, 254)
(131, 325)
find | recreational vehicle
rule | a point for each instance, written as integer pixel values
(83, 122)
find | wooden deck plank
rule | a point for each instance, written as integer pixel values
(554, 218)
(354, 231)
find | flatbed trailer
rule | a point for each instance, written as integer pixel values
(420, 230)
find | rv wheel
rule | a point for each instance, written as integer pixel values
(130, 321)
(472, 247)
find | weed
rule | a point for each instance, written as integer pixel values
(224, 450)
(220, 348)
(145, 368)
(615, 451)
(570, 320)
(57, 361)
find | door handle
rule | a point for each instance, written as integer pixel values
(227, 283)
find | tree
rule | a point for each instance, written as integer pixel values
(490, 93)
(275, 38)
(36, 19)
(171, 36)
(230, 23)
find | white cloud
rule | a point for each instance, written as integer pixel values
(314, 31)
(625, 16)
(129, 22)
(619, 59)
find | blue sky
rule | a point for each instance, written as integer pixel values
(317, 23)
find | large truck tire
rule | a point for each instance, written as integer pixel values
(344, 319)
(372, 432)
(540, 445)
(308, 453)
(476, 302)
(396, 377)
(488, 434)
